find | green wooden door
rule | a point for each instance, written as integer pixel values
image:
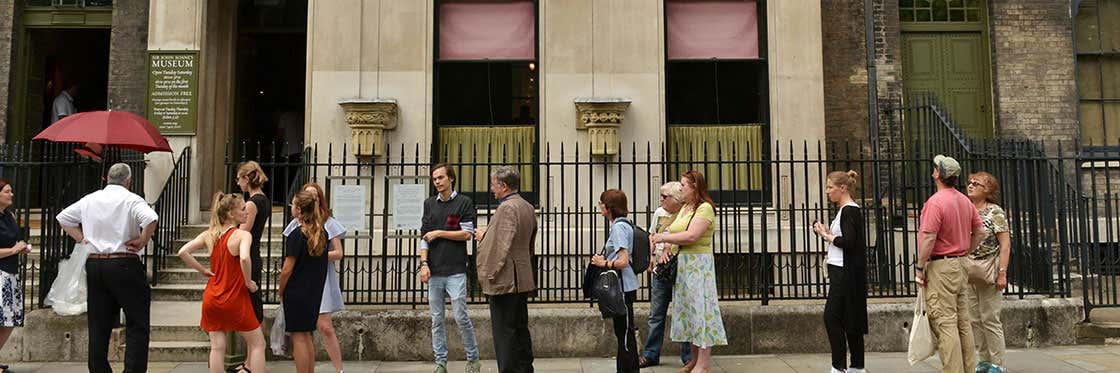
(954, 66)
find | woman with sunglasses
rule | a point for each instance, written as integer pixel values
(661, 291)
(984, 299)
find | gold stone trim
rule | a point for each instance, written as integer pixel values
(601, 117)
(368, 121)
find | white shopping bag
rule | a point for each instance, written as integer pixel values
(277, 337)
(68, 292)
(923, 343)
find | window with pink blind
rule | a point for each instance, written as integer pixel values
(724, 29)
(487, 30)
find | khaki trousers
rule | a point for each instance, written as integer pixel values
(984, 304)
(947, 299)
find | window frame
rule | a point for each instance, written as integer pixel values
(736, 197)
(484, 199)
(1088, 150)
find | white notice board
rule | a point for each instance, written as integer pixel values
(349, 206)
(408, 205)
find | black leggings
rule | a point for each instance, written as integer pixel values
(834, 310)
(624, 332)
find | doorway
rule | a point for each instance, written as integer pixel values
(945, 51)
(51, 61)
(268, 122)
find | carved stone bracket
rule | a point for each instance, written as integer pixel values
(368, 120)
(601, 117)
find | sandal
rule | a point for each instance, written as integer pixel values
(645, 363)
(242, 368)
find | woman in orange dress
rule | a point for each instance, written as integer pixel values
(226, 305)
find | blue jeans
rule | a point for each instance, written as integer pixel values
(439, 288)
(661, 293)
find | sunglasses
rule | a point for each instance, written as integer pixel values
(974, 183)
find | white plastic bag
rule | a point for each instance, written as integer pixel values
(277, 337)
(68, 292)
(923, 343)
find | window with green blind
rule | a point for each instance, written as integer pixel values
(475, 150)
(1098, 71)
(717, 95)
(941, 10)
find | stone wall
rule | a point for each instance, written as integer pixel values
(1033, 70)
(845, 71)
(128, 45)
(7, 57)
(566, 331)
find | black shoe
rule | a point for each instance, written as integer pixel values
(643, 362)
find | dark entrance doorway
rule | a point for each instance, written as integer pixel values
(53, 60)
(270, 81)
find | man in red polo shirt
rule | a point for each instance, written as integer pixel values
(949, 230)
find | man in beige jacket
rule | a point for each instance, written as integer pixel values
(505, 271)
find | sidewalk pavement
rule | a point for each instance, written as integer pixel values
(1069, 359)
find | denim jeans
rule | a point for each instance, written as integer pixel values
(661, 293)
(439, 288)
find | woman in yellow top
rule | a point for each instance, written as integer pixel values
(696, 315)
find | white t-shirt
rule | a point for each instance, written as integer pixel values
(836, 254)
(63, 105)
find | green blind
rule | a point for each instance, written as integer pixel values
(475, 150)
(741, 144)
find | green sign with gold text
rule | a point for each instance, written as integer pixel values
(173, 91)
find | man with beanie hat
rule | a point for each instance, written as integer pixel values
(949, 230)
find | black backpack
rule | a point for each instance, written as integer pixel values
(639, 254)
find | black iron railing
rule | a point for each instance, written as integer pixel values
(46, 177)
(764, 247)
(173, 207)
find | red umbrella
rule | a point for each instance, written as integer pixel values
(112, 128)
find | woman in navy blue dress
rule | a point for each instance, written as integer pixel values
(302, 279)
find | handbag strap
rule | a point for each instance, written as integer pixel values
(686, 226)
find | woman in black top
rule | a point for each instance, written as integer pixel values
(11, 291)
(302, 278)
(845, 312)
(258, 209)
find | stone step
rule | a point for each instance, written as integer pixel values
(181, 275)
(178, 351)
(179, 333)
(1098, 333)
(178, 292)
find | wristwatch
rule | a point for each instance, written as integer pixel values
(423, 263)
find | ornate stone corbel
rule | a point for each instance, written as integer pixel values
(368, 120)
(601, 117)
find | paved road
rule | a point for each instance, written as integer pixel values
(1049, 360)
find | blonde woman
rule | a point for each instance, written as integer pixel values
(696, 315)
(226, 305)
(845, 311)
(258, 208)
(985, 299)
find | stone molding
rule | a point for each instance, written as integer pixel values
(601, 118)
(368, 120)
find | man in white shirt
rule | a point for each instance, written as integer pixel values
(64, 103)
(117, 224)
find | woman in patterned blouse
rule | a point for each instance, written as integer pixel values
(984, 299)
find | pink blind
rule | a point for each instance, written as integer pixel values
(487, 29)
(712, 29)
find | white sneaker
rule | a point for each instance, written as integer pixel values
(854, 370)
(834, 370)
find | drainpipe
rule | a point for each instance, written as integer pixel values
(872, 93)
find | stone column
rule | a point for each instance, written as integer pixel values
(601, 118)
(128, 44)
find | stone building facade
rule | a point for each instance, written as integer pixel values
(369, 50)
